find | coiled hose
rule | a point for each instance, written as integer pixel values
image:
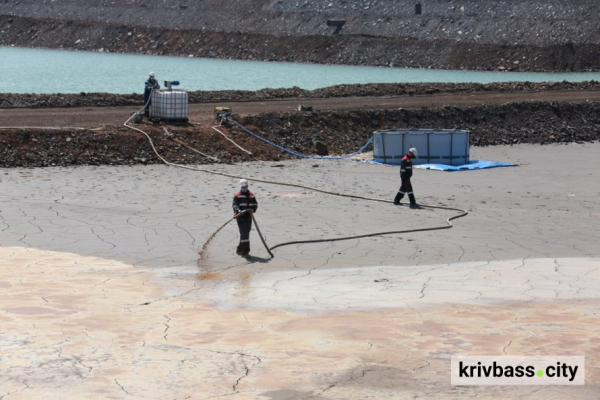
(202, 253)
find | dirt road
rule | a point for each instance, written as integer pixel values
(94, 116)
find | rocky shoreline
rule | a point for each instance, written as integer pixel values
(411, 50)
(14, 100)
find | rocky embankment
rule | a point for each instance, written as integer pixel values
(341, 132)
(523, 35)
(11, 100)
(514, 123)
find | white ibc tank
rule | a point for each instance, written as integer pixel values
(169, 105)
(441, 146)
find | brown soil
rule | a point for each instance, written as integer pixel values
(513, 123)
(514, 113)
(117, 145)
(102, 116)
(342, 132)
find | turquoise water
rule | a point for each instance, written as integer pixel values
(25, 70)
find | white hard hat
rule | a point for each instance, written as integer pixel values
(151, 73)
(243, 183)
(414, 151)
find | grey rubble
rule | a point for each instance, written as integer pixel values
(524, 22)
(490, 35)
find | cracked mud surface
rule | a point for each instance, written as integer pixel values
(102, 294)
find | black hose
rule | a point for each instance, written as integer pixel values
(202, 252)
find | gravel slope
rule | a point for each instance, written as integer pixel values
(525, 35)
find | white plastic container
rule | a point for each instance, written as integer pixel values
(435, 146)
(169, 105)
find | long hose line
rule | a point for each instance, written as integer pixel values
(461, 214)
(248, 131)
(202, 252)
(234, 143)
(170, 136)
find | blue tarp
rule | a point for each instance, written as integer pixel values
(473, 164)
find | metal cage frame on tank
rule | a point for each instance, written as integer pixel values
(441, 146)
(169, 105)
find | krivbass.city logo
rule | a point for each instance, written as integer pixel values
(517, 370)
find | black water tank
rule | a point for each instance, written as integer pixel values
(418, 9)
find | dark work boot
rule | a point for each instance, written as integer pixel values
(413, 202)
(238, 251)
(246, 249)
(398, 197)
